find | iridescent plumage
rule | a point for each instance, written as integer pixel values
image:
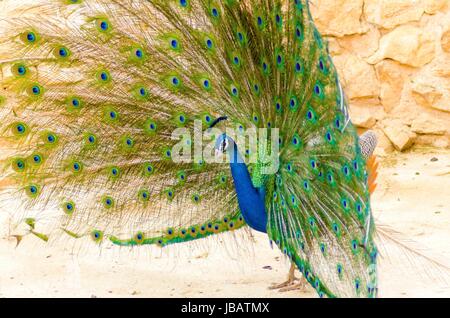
(92, 90)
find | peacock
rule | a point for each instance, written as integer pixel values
(134, 122)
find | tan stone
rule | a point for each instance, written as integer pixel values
(406, 44)
(442, 67)
(433, 141)
(334, 46)
(364, 45)
(392, 77)
(362, 117)
(338, 17)
(441, 142)
(408, 109)
(434, 6)
(384, 146)
(391, 13)
(426, 125)
(445, 41)
(372, 104)
(399, 134)
(359, 77)
(427, 94)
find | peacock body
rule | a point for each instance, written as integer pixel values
(91, 91)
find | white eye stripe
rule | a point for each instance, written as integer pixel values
(224, 145)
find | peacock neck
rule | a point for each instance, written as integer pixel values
(251, 200)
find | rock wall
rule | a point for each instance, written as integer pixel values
(393, 57)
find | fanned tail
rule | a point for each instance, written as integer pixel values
(423, 263)
(92, 91)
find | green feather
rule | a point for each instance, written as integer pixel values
(90, 104)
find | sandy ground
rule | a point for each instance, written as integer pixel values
(412, 197)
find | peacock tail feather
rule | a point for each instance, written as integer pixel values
(92, 90)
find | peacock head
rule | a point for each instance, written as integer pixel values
(223, 145)
(258, 148)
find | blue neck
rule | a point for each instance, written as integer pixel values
(251, 200)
